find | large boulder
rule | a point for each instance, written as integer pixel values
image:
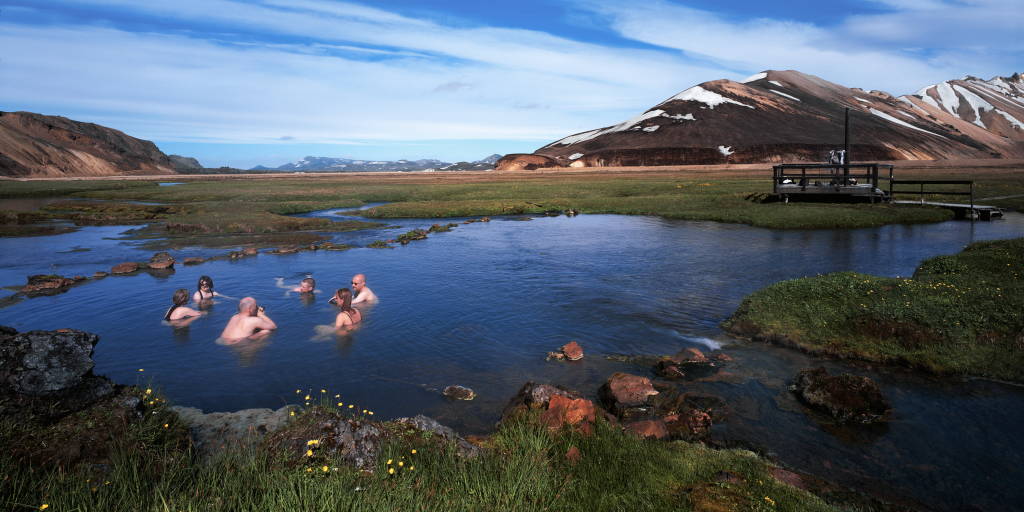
(578, 413)
(846, 398)
(534, 396)
(215, 431)
(49, 373)
(627, 396)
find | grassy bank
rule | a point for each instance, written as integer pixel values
(523, 467)
(958, 314)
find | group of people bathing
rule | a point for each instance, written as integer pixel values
(252, 320)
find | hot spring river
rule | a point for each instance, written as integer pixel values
(481, 305)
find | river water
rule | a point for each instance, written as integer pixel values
(481, 305)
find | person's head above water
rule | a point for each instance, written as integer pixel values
(180, 297)
(247, 306)
(358, 282)
(307, 285)
(206, 281)
(343, 298)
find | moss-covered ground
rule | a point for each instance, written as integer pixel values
(958, 314)
(149, 466)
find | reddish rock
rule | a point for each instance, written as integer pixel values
(557, 356)
(42, 284)
(193, 261)
(649, 429)
(628, 390)
(722, 357)
(690, 356)
(125, 268)
(788, 478)
(563, 410)
(290, 249)
(573, 455)
(534, 396)
(250, 251)
(669, 369)
(161, 260)
(573, 351)
(99, 274)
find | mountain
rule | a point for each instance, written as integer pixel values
(184, 163)
(37, 145)
(777, 116)
(328, 164)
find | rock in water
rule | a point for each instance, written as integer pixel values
(846, 397)
(46, 284)
(573, 351)
(459, 393)
(49, 373)
(125, 268)
(624, 394)
(161, 260)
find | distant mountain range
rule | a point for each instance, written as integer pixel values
(777, 116)
(327, 164)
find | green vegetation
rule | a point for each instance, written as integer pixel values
(149, 467)
(958, 314)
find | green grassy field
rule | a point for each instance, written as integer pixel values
(226, 206)
(150, 467)
(958, 314)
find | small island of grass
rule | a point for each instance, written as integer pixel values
(958, 314)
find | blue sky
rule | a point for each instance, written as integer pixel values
(242, 83)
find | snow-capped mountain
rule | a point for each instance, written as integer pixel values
(328, 164)
(777, 116)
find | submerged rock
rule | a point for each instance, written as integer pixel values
(193, 260)
(459, 393)
(846, 397)
(573, 351)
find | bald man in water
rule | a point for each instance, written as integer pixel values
(249, 320)
(363, 293)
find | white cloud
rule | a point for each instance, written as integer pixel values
(881, 51)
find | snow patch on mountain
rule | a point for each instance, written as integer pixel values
(776, 83)
(1011, 119)
(892, 119)
(979, 105)
(652, 128)
(575, 156)
(623, 126)
(755, 77)
(680, 117)
(709, 98)
(948, 97)
(784, 94)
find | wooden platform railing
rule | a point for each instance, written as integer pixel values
(921, 189)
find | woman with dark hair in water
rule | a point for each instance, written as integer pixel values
(204, 290)
(349, 315)
(178, 309)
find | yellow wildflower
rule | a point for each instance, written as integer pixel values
(389, 462)
(309, 470)
(323, 390)
(291, 413)
(166, 425)
(326, 469)
(297, 391)
(364, 411)
(337, 396)
(350, 406)
(141, 370)
(400, 463)
(391, 471)
(371, 413)
(307, 397)
(412, 468)
(340, 404)
(312, 442)
(44, 506)
(413, 451)
(149, 391)
(309, 453)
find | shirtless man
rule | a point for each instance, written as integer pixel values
(363, 293)
(249, 320)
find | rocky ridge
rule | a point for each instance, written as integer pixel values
(777, 116)
(36, 145)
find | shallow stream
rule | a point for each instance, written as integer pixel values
(481, 305)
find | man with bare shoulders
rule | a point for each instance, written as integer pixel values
(249, 320)
(364, 295)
